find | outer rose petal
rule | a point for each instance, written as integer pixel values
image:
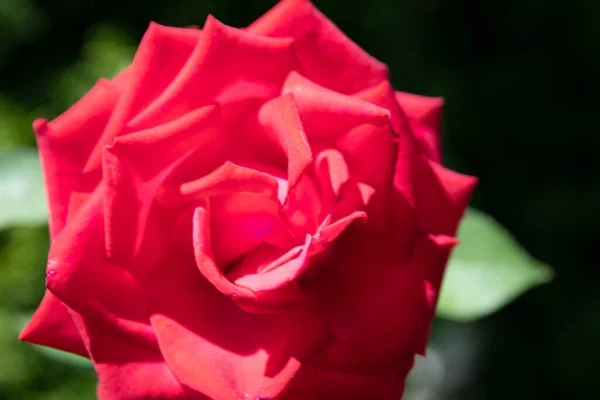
(441, 196)
(81, 277)
(121, 80)
(377, 314)
(341, 64)
(425, 195)
(111, 315)
(425, 115)
(52, 326)
(65, 143)
(216, 348)
(380, 316)
(126, 370)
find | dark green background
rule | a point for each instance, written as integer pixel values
(521, 80)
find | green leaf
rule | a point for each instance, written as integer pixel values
(487, 270)
(63, 357)
(22, 198)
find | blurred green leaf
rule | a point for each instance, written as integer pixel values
(64, 357)
(107, 51)
(14, 365)
(15, 125)
(22, 197)
(487, 270)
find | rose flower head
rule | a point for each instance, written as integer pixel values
(247, 214)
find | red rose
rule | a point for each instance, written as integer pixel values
(247, 214)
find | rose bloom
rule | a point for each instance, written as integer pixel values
(247, 214)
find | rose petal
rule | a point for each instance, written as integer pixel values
(371, 153)
(380, 316)
(317, 383)
(341, 64)
(332, 173)
(249, 300)
(425, 115)
(126, 370)
(276, 277)
(121, 80)
(221, 351)
(80, 276)
(326, 113)
(441, 196)
(303, 208)
(161, 54)
(281, 120)
(241, 221)
(132, 182)
(227, 179)
(214, 65)
(168, 143)
(331, 231)
(52, 326)
(65, 143)
(383, 95)
(402, 197)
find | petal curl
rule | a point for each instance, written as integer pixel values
(280, 118)
(325, 113)
(229, 178)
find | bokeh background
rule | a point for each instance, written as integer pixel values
(521, 80)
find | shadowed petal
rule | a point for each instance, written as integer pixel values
(126, 370)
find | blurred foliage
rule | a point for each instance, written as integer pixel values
(21, 188)
(487, 270)
(521, 81)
